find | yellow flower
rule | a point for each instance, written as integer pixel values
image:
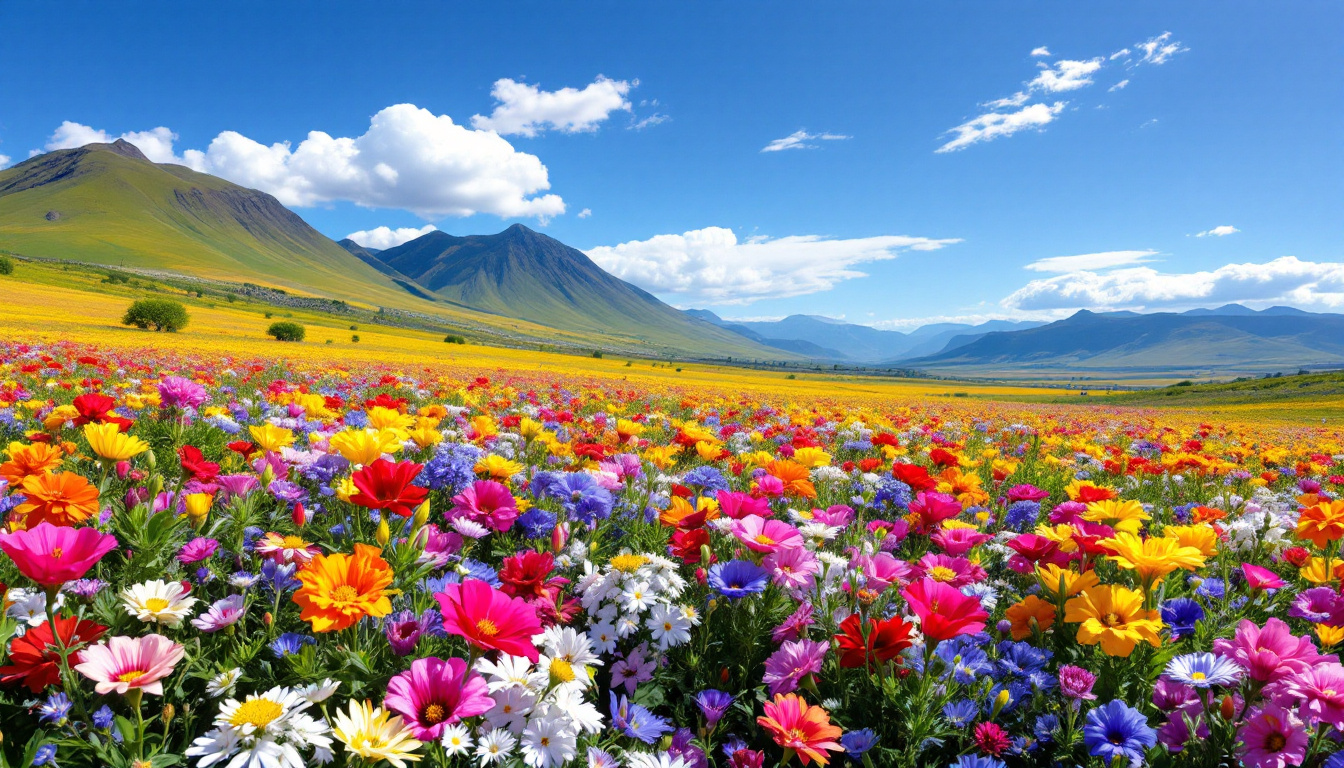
(1329, 636)
(109, 442)
(1124, 516)
(374, 733)
(1051, 576)
(1152, 558)
(344, 488)
(1061, 534)
(1201, 537)
(271, 437)
(662, 456)
(483, 427)
(59, 417)
(497, 467)
(1316, 573)
(530, 428)
(198, 506)
(365, 446)
(707, 451)
(387, 418)
(1114, 617)
(426, 436)
(812, 457)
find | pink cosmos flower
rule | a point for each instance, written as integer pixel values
(433, 694)
(1272, 653)
(958, 541)
(761, 535)
(1261, 578)
(793, 661)
(221, 615)
(489, 619)
(196, 550)
(838, 515)
(1272, 737)
(794, 568)
(956, 571)
(769, 485)
(52, 555)
(488, 503)
(882, 570)
(932, 509)
(1321, 690)
(123, 663)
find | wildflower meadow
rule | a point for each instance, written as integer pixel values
(248, 562)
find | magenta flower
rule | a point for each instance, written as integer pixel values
(795, 626)
(1321, 690)
(882, 570)
(52, 555)
(433, 694)
(486, 502)
(177, 392)
(761, 535)
(1271, 653)
(786, 667)
(957, 571)
(958, 541)
(1026, 492)
(1260, 578)
(1076, 683)
(1272, 737)
(196, 550)
(794, 568)
(738, 505)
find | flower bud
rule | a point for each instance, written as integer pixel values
(559, 537)
(1228, 708)
(168, 713)
(298, 515)
(384, 532)
(421, 516)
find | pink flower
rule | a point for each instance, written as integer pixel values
(932, 509)
(1321, 689)
(958, 541)
(943, 611)
(489, 619)
(1261, 578)
(882, 570)
(434, 694)
(1269, 654)
(488, 503)
(52, 555)
(221, 615)
(956, 571)
(196, 550)
(1027, 492)
(794, 568)
(838, 515)
(123, 663)
(761, 535)
(1272, 737)
(787, 667)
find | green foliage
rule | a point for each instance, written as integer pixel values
(286, 331)
(453, 338)
(6, 265)
(160, 314)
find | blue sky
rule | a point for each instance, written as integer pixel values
(653, 162)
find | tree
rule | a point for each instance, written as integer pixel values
(286, 331)
(6, 265)
(160, 314)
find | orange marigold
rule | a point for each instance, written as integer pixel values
(60, 499)
(1322, 523)
(27, 460)
(1021, 614)
(339, 589)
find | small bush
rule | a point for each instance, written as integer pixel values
(453, 338)
(354, 327)
(286, 331)
(354, 337)
(597, 353)
(269, 315)
(6, 265)
(159, 314)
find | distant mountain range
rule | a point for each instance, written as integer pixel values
(829, 339)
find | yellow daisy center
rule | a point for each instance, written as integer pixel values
(761, 538)
(258, 713)
(628, 563)
(156, 604)
(130, 677)
(942, 573)
(294, 542)
(344, 594)
(562, 670)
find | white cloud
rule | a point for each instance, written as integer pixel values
(1120, 54)
(383, 238)
(1041, 51)
(993, 125)
(1118, 86)
(1222, 231)
(1158, 50)
(527, 110)
(1102, 260)
(1066, 75)
(711, 266)
(585, 213)
(648, 122)
(800, 139)
(156, 143)
(1286, 280)
(4, 161)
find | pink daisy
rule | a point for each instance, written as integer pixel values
(123, 663)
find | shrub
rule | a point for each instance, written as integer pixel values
(354, 337)
(160, 314)
(597, 353)
(453, 338)
(354, 327)
(286, 331)
(6, 265)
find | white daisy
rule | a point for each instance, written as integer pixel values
(627, 626)
(603, 637)
(456, 740)
(668, 626)
(547, 742)
(507, 672)
(30, 605)
(265, 730)
(158, 601)
(494, 746)
(637, 596)
(512, 706)
(223, 683)
(316, 693)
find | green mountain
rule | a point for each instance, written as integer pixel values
(525, 274)
(108, 204)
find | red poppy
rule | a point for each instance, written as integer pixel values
(524, 574)
(385, 485)
(194, 464)
(96, 408)
(33, 657)
(913, 475)
(944, 458)
(886, 639)
(686, 545)
(242, 447)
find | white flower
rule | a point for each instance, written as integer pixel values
(316, 693)
(495, 746)
(266, 730)
(668, 626)
(691, 613)
(582, 715)
(660, 760)
(30, 606)
(508, 672)
(603, 637)
(470, 529)
(223, 683)
(512, 706)
(456, 740)
(627, 626)
(547, 742)
(158, 601)
(637, 596)
(565, 643)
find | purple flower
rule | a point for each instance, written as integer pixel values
(786, 667)
(1169, 695)
(285, 491)
(1318, 605)
(713, 704)
(794, 626)
(196, 550)
(85, 588)
(177, 392)
(237, 485)
(403, 630)
(223, 614)
(1076, 683)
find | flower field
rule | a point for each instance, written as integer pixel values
(230, 559)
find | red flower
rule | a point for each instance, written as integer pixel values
(944, 458)
(33, 657)
(384, 485)
(913, 475)
(242, 447)
(991, 738)
(686, 545)
(95, 408)
(524, 574)
(194, 464)
(886, 639)
(943, 611)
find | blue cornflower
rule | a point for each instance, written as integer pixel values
(978, 761)
(1116, 729)
(1181, 614)
(356, 419)
(892, 494)
(45, 755)
(1213, 587)
(858, 742)
(1044, 729)
(1022, 515)
(1203, 670)
(738, 578)
(964, 663)
(290, 642)
(581, 496)
(55, 709)
(705, 479)
(636, 721)
(279, 578)
(481, 572)
(451, 469)
(960, 713)
(102, 719)
(732, 744)
(713, 704)
(327, 468)
(537, 523)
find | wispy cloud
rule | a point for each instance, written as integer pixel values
(1101, 260)
(527, 110)
(800, 140)
(1221, 231)
(993, 125)
(1041, 51)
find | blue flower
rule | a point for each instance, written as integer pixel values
(452, 468)
(705, 479)
(858, 742)
(55, 709)
(738, 578)
(1022, 515)
(279, 578)
(1203, 670)
(537, 523)
(1116, 729)
(290, 642)
(1044, 729)
(960, 713)
(1212, 587)
(892, 494)
(1181, 614)
(978, 761)
(102, 719)
(963, 662)
(713, 704)
(579, 494)
(636, 721)
(45, 755)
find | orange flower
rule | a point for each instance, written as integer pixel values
(27, 460)
(1322, 523)
(801, 727)
(59, 499)
(795, 477)
(1022, 613)
(339, 589)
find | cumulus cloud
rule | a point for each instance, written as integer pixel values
(993, 125)
(1102, 260)
(1222, 231)
(711, 266)
(4, 161)
(800, 139)
(527, 110)
(1041, 51)
(409, 158)
(383, 238)
(1286, 280)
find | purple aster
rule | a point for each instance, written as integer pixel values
(787, 667)
(403, 630)
(222, 615)
(795, 626)
(1076, 683)
(1318, 605)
